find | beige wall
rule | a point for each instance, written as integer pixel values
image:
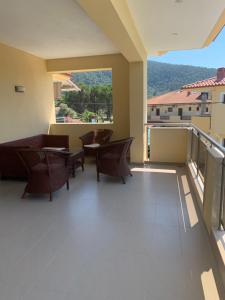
(218, 119)
(217, 111)
(218, 114)
(168, 145)
(203, 123)
(120, 91)
(138, 109)
(29, 113)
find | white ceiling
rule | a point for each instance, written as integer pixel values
(173, 25)
(60, 28)
(51, 29)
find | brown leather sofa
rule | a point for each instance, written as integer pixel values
(11, 165)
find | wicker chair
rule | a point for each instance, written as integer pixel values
(99, 137)
(112, 159)
(47, 170)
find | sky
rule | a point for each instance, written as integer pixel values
(212, 56)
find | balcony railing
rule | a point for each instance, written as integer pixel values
(198, 145)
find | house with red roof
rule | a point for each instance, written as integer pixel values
(201, 98)
(178, 106)
(62, 83)
(214, 89)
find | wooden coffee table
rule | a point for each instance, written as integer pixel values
(76, 160)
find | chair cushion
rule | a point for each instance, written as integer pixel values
(43, 168)
(92, 145)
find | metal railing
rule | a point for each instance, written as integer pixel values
(200, 144)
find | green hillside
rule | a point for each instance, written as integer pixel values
(93, 78)
(162, 77)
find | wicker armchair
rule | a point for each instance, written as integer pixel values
(47, 170)
(98, 137)
(112, 159)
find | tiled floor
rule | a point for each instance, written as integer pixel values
(106, 241)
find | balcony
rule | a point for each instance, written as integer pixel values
(204, 158)
(149, 239)
(106, 240)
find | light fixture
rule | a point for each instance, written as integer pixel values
(174, 33)
(19, 89)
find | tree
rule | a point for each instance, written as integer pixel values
(65, 111)
(95, 99)
(87, 116)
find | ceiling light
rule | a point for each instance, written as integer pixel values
(174, 33)
(178, 1)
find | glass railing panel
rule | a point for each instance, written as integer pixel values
(202, 159)
(222, 200)
(194, 148)
(200, 145)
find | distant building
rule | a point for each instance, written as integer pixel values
(62, 82)
(214, 89)
(178, 106)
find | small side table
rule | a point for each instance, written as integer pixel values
(76, 160)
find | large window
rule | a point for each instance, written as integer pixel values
(222, 98)
(86, 97)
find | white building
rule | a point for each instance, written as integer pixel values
(178, 106)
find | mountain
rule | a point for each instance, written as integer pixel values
(93, 78)
(162, 77)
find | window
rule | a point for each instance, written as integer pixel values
(189, 108)
(207, 109)
(152, 109)
(222, 98)
(84, 97)
(170, 109)
(204, 96)
(197, 108)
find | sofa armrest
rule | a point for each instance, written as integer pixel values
(51, 140)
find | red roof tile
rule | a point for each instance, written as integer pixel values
(176, 97)
(218, 80)
(205, 83)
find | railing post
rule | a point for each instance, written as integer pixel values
(221, 196)
(198, 149)
(191, 144)
(149, 145)
(147, 129)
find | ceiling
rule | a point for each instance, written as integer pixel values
(61, 28)
(175, 24)
(51, 29)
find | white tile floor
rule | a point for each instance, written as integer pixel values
(106, 241)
